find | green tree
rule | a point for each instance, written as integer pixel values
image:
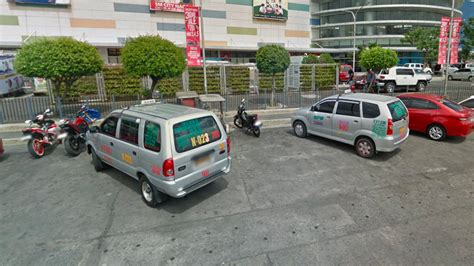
(272, 59)
(63, 60)
(425, 40)
(378, 58)
(467, 40)
(321, 59)
(154, 57)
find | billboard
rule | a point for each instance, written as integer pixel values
(270, 9)
(169, 5)
(193, 35)
(43, 2)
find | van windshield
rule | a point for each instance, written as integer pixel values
(194, 133)
(398, 110)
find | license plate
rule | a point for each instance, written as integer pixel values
(202, 160)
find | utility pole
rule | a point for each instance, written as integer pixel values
(448, 56)
(203, 47)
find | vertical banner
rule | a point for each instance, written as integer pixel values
(455, 40)
(193, 37)
(443, 40)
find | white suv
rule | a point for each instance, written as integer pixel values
(419, 66)
(403, 77)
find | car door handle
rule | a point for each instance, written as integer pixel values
(134, 153)
(328, 117)
(356, 121)
(111, 144)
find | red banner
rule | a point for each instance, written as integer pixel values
(443, 40)
(455, 40)
(157, 5)
(193, 36)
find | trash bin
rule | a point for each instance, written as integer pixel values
(187, 98)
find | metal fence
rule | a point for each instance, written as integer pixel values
(20, 109)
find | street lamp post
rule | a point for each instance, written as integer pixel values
(448, 56)
(354, 16)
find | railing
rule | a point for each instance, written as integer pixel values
(20, 109)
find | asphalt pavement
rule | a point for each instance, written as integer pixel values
(286, 201)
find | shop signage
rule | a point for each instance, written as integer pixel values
(193, 35)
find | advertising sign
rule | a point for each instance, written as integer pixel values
(443, 40)
(455, 40)
(270, 9)
(193, 35)
(169, 5)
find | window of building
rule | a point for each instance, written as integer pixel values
(114, 55)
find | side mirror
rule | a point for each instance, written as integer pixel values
(94, 129)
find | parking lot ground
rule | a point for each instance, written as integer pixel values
(287, 201)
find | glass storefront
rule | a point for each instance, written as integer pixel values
(366, 30)
(350, 3)
(382, 15)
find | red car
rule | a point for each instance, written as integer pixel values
(344, 72)
(436, 116)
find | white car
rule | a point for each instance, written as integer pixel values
(419, 66)
(426, 75)
(469, 102)
(402, 77)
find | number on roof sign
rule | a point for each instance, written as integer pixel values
(150, 101)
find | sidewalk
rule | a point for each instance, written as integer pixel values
(271, 118)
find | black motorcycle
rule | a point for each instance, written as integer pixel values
(251, 122)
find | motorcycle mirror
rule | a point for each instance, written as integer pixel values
(47, 111)
(243, 100)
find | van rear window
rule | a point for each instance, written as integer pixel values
(398, 110)
(195, 133)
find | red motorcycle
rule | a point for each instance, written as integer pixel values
(41, 134)
(76, 129)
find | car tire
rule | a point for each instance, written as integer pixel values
(150, 195)
(436, 132)
(420, 86)
(365, 148)
(97, 162)
(390, 87)
(450, 77)
(300, 129)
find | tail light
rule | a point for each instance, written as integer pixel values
(390, 128)
(168, 168)
(228, 145)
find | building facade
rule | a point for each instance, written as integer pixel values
(231, 31)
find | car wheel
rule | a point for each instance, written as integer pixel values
(97, 162)
(450, 77)
(150, 195)
(436, 132)
(420, 86)
(300, 129)
(365, 147)
(390, 87)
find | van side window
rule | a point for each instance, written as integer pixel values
(109, 126)
(350, 109)
(152, 137)
(129, 130)
(325, 107)
(370, 110)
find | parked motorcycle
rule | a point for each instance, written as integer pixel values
(76, 130)
(251, 122)
(41, 134)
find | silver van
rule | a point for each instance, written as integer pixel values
(171, 149)
(370, 122)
